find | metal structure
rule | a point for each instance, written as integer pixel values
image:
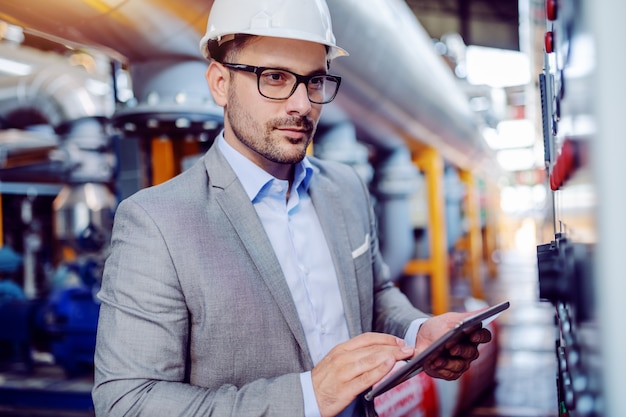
(419, 95)
(398, 100)
(580, 270)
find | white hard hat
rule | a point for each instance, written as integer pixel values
(307, 20)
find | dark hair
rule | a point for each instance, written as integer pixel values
(227, 52)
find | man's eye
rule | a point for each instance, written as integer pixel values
(316, 82)
(274, 77)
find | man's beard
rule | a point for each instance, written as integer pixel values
(259, 138)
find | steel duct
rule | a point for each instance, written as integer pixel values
(393, 78)
(53, 88)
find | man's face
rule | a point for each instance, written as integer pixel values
(273, 133)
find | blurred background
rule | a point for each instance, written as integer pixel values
(488, 131)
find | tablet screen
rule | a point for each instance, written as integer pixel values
(416, 365)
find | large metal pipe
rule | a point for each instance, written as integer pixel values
(395, 180)
(51, 87)
(393, 77)
(396, 79)
(131, 30)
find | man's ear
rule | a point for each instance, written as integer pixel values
(218, 79)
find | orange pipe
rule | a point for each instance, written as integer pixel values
(490, 235)
(162, 158)
(474, 235)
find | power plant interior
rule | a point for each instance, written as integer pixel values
(494, 177)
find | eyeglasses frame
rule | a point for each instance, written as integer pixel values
(300, 79)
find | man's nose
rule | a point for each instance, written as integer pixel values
(299, 101)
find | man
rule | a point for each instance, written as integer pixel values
(252, 283)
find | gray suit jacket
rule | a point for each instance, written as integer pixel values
(196, 316)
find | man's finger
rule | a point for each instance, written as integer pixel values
(480, 336)
(372, 339)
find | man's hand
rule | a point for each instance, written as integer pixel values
(354, 366)
(456, 356)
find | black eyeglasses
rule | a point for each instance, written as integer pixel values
(280, 84)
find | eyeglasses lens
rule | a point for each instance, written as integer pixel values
(280, 85)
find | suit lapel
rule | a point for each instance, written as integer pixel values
(327, 199)
(243, 218)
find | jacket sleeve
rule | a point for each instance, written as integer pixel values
(141, 359)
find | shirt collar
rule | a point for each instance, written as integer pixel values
(253, 178)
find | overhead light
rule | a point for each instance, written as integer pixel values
(517, 159)
(497, 67)
(515, 133)
(11, 67)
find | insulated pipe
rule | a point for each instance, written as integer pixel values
(393, 76)
(339, 143)
(396, 180)
(54, 93)
(129, 30)
(396, 79)
(52, 87)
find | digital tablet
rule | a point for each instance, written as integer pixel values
(416, 365)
